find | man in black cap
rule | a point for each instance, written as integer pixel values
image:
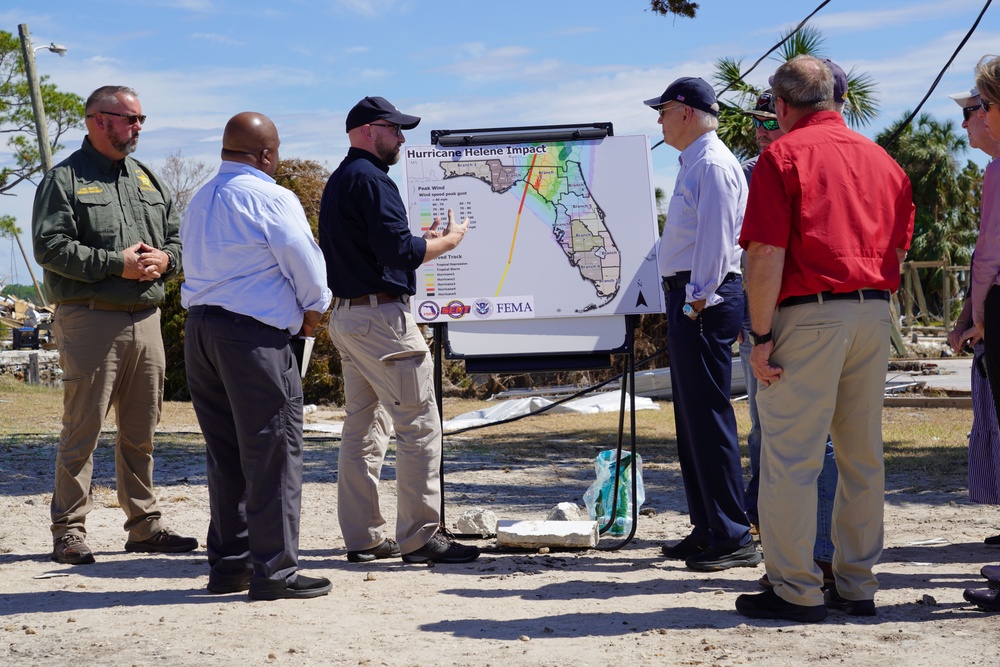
(371, 259)
(699, 260)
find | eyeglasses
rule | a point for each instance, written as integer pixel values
(396, 129)
(132, 118)
(968, 111)
(768, 124)
(986, 104)
(664, 110)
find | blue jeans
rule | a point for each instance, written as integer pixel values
(826, 485)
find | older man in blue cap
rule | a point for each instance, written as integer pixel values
(699, 259)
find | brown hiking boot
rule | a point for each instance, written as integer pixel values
(71, 550)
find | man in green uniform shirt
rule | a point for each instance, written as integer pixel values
(106, 234)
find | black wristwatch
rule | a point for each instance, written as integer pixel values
(171, 263)
(760, 339)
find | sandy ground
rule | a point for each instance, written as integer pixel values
(593, 607)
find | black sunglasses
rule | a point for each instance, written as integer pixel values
(132, 118)
(968, 111)
(768, 124)
(986, 104)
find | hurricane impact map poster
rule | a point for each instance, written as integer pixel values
(557, 229)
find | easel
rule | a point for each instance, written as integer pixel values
(561, 362)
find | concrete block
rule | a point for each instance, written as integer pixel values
(477, 522)
(565, 512)
(536, 534)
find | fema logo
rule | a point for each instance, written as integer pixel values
(428, 311)
(482, 308)
(456, 310)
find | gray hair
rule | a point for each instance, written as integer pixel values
(805, 82)
(108, 95)
(988, 78)
(705, 120)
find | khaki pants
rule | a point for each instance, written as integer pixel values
(388, 382)
(108, 359)
(834, 357)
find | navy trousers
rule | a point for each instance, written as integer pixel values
(707, 440)
(247, 394)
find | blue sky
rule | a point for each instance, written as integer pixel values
(195, 63)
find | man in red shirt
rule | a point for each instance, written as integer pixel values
(828, 221)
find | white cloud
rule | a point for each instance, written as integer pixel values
(217, 38)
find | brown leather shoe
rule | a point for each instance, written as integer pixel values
(71, 550)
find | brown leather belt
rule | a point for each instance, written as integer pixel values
(94, 304)
(361, 301)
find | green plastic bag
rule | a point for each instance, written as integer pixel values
(598, 498)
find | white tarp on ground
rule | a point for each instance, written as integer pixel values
(606, 402)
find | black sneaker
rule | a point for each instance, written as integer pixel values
(71, 550)
(164, 542)
(441, 550)
(386, 549)
(686, 548)
(715, 559)
(833, 600)
(302, 588)
(768, 605)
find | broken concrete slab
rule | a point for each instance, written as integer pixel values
(477, 521)
(535, 534)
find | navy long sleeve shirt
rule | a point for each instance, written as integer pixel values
(364, 233)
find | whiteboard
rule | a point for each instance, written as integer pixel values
(596, 334)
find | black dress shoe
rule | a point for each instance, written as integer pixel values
(987, 599)
(715, 558)
(769, 605)
(833, 600)
(387, 548)
(303, 587)
(689, 546)
(992, 574)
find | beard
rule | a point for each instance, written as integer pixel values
(388, 153)
(125, 147)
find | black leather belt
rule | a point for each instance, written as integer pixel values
(682, 278)
(857, 295)
(94, 304)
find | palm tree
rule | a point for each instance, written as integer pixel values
(944, 193)
(736, 130)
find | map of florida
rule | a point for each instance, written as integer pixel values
(561, 191)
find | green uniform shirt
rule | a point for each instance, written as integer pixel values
(88, 209)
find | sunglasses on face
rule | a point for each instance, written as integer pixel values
(395, 129)
(968, 111)
(986, 104)
(768, 124)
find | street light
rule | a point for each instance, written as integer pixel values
(53, 47)
(41, 127)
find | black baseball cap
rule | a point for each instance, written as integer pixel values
(839, 81)
(688, 90)
(378, 108)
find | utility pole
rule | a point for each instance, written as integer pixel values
(41, 126)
